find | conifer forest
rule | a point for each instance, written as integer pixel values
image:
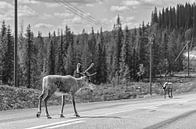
(117, 54)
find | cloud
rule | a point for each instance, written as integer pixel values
(131, 2)
(76, 20)
(43, 26)
(5, 5)
(73, 21)
(6, 16)
(52, 5)
(28, 2)
(26, 11)
(45, 16)
(118, 8)
(63, 15)
(90, 5)
(72, 1)
(7, 11)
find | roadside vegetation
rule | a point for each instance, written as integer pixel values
(121, 58)
(19, 98)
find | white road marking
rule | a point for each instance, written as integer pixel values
(57, 126)
(52, 124)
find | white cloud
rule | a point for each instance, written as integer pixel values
(28, 2)
(52, 5)
(5, 5)
(118, 8)
(26, 11)
(6, 16)
(90, 5)
(43, 26)
(7, 11)
(76, 20)
(128, 19)
(63, 15)
(131, 2)
(45, 16)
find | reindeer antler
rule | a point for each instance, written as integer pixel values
(92, 64)
(78, 67)
(89, 75)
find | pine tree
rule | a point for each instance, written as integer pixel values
(3, 46)
(101, 66)
(172, 51)
(51, 58)
(60, 61)
(71, 57)
(8, 60)
(92, 45)
(29, 48)
(154, 17)
(194, 26)
(133, 56)
(124, 64)
(21, 60)
(39, 42)
(117, 49)
(85, 58)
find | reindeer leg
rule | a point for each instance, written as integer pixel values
(45, 102)
(40, 104)
(74, 105)
(165, 92)
(169, 93)
(63, 103)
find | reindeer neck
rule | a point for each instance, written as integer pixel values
(80, 81)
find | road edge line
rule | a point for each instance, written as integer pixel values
(171, 120)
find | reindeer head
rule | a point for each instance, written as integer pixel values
(86, 73)
(86, 77)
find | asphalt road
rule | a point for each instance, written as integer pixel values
(148, 113)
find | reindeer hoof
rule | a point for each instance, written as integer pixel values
(49, 117)
(77, 115)
(62, 116)
(38, 115)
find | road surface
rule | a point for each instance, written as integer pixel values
(145, 113)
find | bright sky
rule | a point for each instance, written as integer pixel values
(50, 15)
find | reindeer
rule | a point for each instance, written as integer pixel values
(167, 88)
(64, 85)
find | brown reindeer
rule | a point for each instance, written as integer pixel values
(167, 88)
(64, 85)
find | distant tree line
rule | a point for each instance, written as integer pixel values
(117, 54)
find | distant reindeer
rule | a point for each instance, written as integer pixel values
(64, 85)
(168, 88)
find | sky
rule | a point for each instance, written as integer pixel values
(49, 15)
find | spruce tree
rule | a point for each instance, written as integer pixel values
(8, 60)
(60, 61)
(51, 58)
(124, 64)
(29, 48)
(101, 66)
(3, 45)
(117, 49)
